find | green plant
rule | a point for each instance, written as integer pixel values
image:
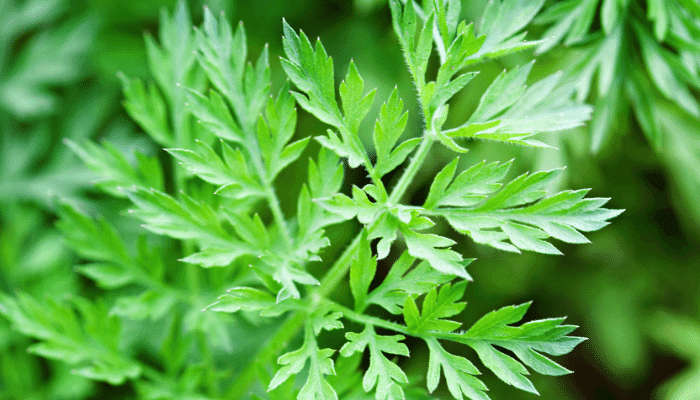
(269, 277)
(638, 63)
(645, 56)
(43, 52)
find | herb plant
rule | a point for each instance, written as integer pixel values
(638, 63)
(273, 280)
(43, 53)
(644, 56)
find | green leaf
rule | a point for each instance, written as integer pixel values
(42, 61)
(495, 323)
(403, 280)
(311, 70)
(430, 248)
(174, 61)
(358, 206)
(469, 188)
(561, 216)
(382, 373)
(320, 364)
(274, 132)
(343, 148)
(220, 256)
(286, 275)
(355, 105)
(440, 183)
(387, 131)
(500, 23)
(506, 368)
(108, 276)
(114, 170)
(519, 212)
(447, 17)
(532, 114)
(603, 55)
(348, 378)
(324, 180)
(147, 107)
(152, 305)
(213, 114)
(312, 220)
(325, 320)
(362, 272)
(97, 241)
(230, 174)
(459, 373)
(503, 92)
(526, 341)
(424, 47)
(572, 19)
(404, 22)
(437, 306)
(325, 175)
(181, 219)
(243, 298)
(80, 334)
(691, 5)
(664, 75)
(658, 12)
(459, 52)
(444, 93)
(111, 264)
(223, 55)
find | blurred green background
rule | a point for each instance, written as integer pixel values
(635, 291)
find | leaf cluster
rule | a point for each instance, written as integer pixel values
(216, 202)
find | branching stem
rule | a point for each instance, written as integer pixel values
(330, 281)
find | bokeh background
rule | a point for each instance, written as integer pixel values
(635, 291)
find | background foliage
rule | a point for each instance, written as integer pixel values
(635, 294)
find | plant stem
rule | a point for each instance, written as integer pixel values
(274, 346)
(368, 319)
(371, 171)
(180, 120)
(277, 214)
(210, 373)
(413, 168)
(270, 195)
(403, 329)
(329, 282)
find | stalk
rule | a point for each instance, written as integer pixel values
(270, 195)
(330, 281)
(274, 346)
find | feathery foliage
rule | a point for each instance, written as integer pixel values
(638, 58)
(229, 135)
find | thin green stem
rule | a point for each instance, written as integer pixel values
(294, 323)
(371, 171)
(412, 169)
(403, 329)
(270, 194)
(338, 270)
(330, 281)
(377, 180)
(274, 203)
(182, 141)
(368, 319)
(273, 347)
(210, 378)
